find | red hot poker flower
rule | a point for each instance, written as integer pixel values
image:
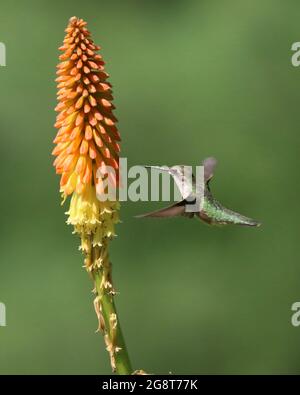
(87, 138)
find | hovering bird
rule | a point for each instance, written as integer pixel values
(210, 211)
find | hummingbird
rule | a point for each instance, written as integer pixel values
(210, 211)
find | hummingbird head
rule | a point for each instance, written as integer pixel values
(177, 171)
(183, 173)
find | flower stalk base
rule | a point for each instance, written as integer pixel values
(94, 222)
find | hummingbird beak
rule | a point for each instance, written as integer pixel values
(157, 168)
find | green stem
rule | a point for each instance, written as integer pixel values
(108, 310)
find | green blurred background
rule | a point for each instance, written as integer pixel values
(191, 78)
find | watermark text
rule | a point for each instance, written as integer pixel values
(2, 54)
(2, 314)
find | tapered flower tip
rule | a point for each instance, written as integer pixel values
(88, 136)
(73, 19)
(76, 22)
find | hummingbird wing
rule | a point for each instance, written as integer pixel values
(175, 210)
(209, 167)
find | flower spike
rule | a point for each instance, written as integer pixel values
(88, 140)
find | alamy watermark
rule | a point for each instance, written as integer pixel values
(190, 187)
(2, 314)
(295, 59)
(295, 320)
(2, 54)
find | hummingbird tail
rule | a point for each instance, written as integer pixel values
(249, 222)
(241, 220)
